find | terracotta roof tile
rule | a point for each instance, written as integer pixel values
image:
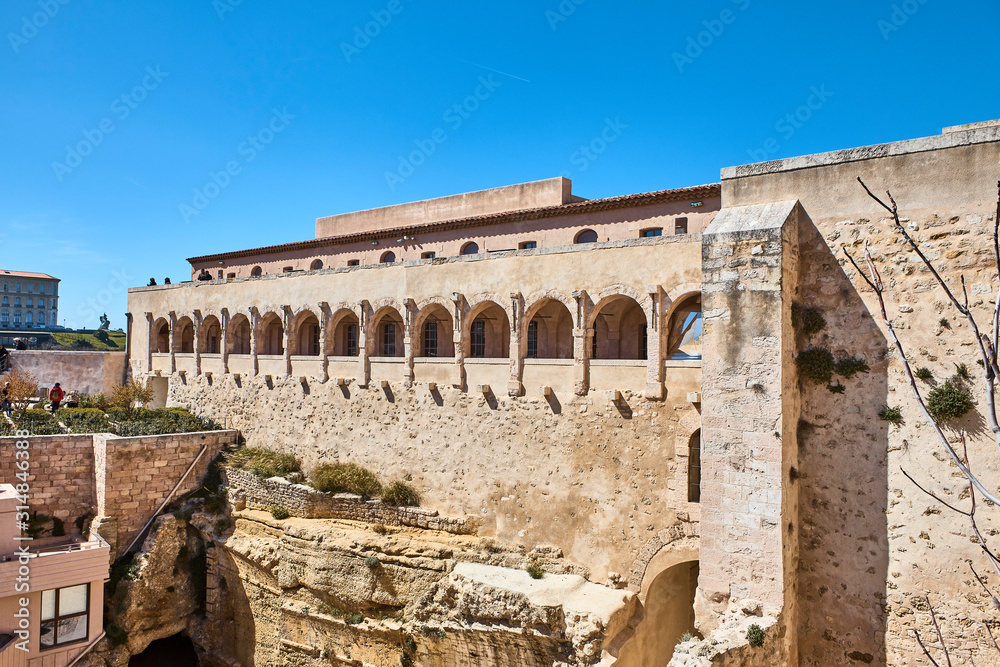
(588, 206)
(27, 274)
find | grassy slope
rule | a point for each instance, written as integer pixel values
(116, 341)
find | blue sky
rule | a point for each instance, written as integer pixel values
(135, 135)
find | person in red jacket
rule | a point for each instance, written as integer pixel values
(56, 396)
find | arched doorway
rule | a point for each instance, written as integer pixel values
(272, 336)
(239, 335)
(619, 330)
(305, 335)
(668, 615)
(488, 334)
(161, 335)
(185, 337)
(346, 334)
(684, 340)
(211, 336)
(550, 331)
(434, 332)
(388, 333)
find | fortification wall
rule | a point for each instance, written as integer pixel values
(873, 546)
(60, 476)
(87, 372)
(596, 480)
(120, 480)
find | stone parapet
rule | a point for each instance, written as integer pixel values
(306, 502)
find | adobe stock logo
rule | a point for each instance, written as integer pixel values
(253, 146)
(31, 25)
(698, 43)
(789, 124)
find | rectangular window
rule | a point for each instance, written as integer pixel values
(315, 340)
(681, 226)
(230, 276)
(643, 342)
(533, 340)
(354, 262)
(428, 255)
(41, 319)
(352, 340)
(694, 469)
(389, 339)
(17, 318)
(41, 303)
(478, 348)
(288, 269)
(65, 616)
(41, 288)
(528, 245)
(5, 317)
(650, 233)
(430, 348)
(17, 286)
(6, 287)
(28, 303)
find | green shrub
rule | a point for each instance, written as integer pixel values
(405, 660)
(353, 619)
(85, 420)
(116, 635)
(850, 367)
(924, 374)
(755, 636)
(409, 644)
(280, 513)
(836, 388)
(891, 415)
(263, 462)
(949, 401)
(962, 371)
(345, 478)
(945, 324)
(400, 494)
(535, 570)
(816, 364)
(807, 319)
(380, 529)
(373, 563)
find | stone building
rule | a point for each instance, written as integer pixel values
(28, 300)
(617, 379)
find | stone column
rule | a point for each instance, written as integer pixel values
(581, 349)
(254, 336)
(750, 410)
(149, 344)
(286, 337)
(173, 341)
(458, 321)
(364, 367)
(224, 342)
(197, 342)
(517, 332)
(409, 315)
(324, 332)
(654, 338)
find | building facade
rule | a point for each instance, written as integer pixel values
(28, 300)
(619, 379)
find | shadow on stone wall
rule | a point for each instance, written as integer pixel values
(844, 553)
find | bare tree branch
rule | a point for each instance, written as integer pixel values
(937, 629)
(926, 652)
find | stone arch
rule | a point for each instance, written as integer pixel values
(470, 248)
(316, 265)
(684, 327)
(382, 339)
(586, 236)
(160, 336)
(495, 328)
(304, 336)
(678, 294)
(184, 336)
(388, 257)
(210, 335)
(549, 329)
(256, 272)
(666, 591)
(619, 325)
(271, 334)
(346, 328)
(432, 329)
(239, 334)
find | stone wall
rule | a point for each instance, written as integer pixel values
(87, 372)
(749, 412)
(120, 480)
(596, 479)
(304, 501)
(874, 548)
(61, 476)
(140, 472)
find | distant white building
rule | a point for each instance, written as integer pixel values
(28, 300)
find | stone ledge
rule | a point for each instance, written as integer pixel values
(308, 503)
